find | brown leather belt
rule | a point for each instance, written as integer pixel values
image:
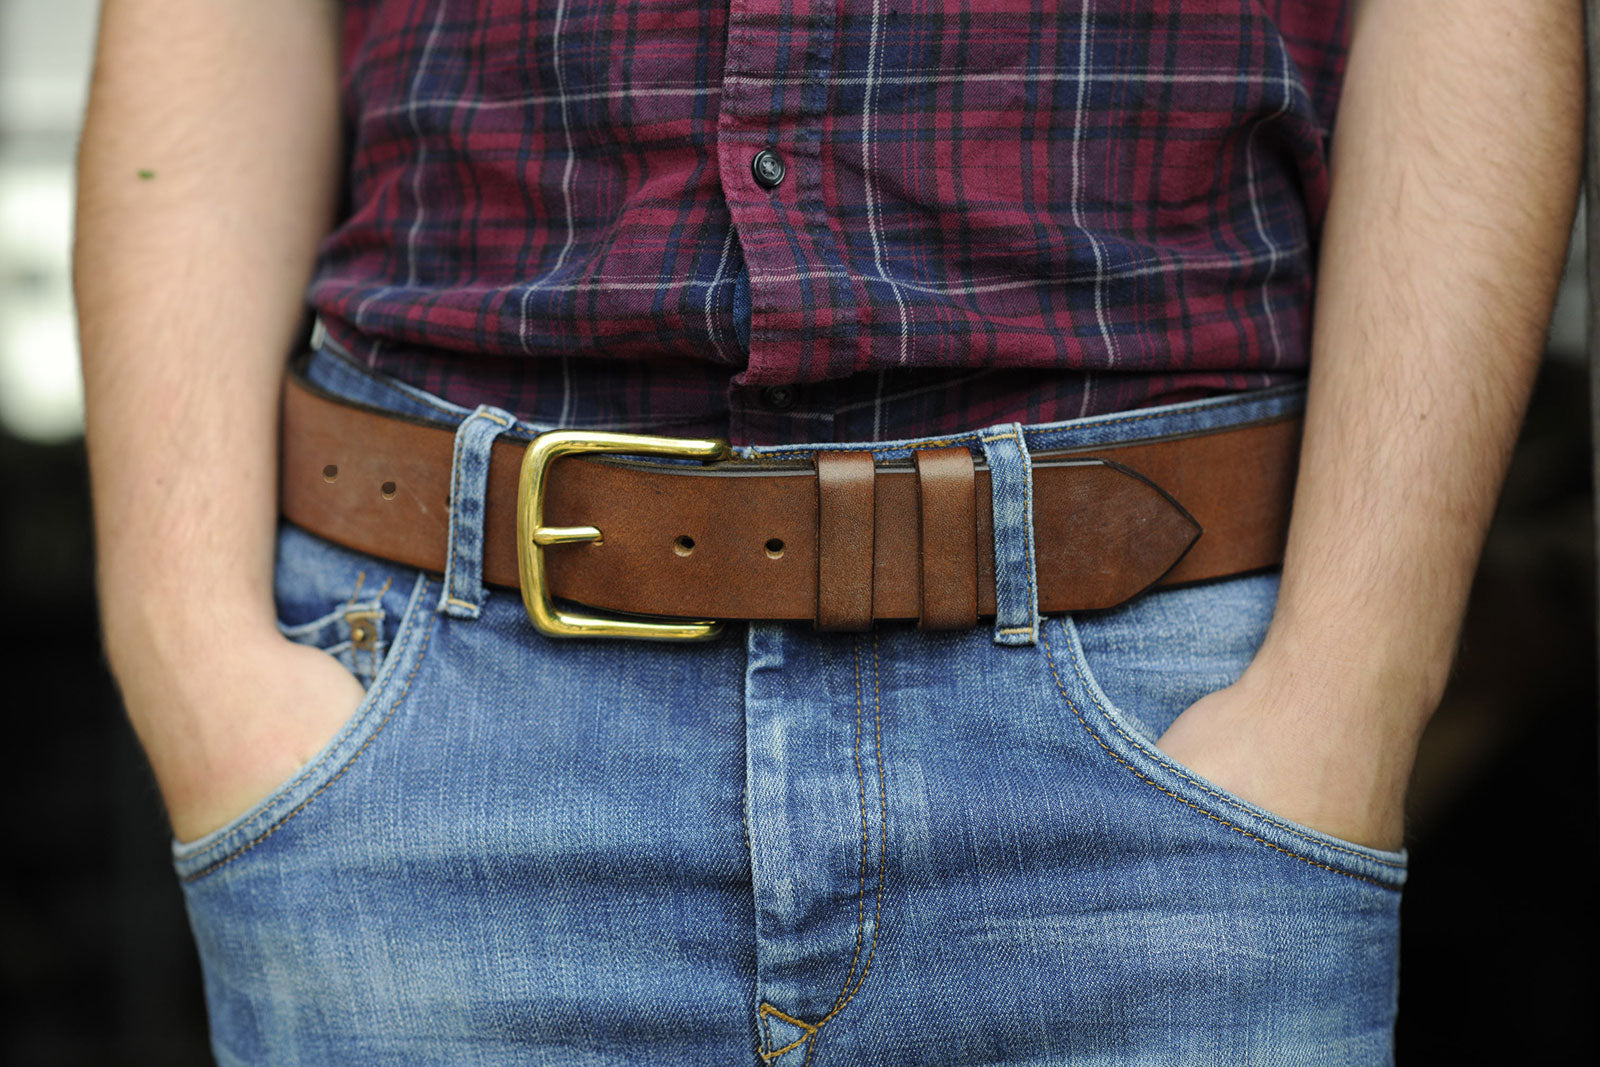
(838, 539)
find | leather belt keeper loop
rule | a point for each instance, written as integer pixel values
(783, 538)
(846, 517)
(947, 538)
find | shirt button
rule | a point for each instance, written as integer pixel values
(778, 397)
(769, 168)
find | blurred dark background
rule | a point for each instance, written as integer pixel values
(96, 965)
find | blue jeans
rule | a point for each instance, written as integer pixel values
(783, 845)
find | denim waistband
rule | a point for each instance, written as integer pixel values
(342, 376)
(1006, 448)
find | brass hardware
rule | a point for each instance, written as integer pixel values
(533, 535)
(363, 629)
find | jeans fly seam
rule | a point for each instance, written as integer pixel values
(861, 892)
(847, 994)
(298, 808)
(349, 728)
(765, 1040)
(1050, 659)
(1158, 756)
(767, 1011)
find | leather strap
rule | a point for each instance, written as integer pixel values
(1109, 522)
(845, 505)
(946, 513)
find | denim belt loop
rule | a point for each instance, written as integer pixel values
(1016, 597)
(463, 594)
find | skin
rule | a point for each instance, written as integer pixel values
(189, 286)
(1455, 161)
(1455, 167)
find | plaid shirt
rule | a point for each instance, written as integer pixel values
(989, 210)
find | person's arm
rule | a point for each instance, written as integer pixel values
(207, 173)
(1455, 164)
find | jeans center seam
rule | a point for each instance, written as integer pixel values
(847, 993)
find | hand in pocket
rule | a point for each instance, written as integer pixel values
(223, 731)
(1337, 773)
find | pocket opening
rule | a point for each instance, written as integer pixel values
(1123, 738)
(390, 668)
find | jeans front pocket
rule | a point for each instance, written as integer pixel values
(369, 614)
(1160, 653)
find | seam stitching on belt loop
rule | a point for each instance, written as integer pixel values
(1036, 625)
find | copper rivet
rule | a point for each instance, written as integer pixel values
(358, 634)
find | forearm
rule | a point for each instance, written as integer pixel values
(206, 176)
(1455, 166)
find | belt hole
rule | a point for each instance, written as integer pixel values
(683, 545)
(388, 490)
(774, 547)
(330, 473)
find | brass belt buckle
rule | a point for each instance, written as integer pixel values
(533, 535)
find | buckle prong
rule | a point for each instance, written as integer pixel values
(533, 535)
(564, 535)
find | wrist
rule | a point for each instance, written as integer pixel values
(156, 634)
(1301, 756)
(1381, 685)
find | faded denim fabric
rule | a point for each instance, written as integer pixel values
(781, 846)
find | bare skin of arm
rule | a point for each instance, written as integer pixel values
(208, 172)
(1455, 167)
(1455, 160)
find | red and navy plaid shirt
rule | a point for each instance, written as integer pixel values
(989, 210)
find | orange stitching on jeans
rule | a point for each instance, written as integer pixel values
(883, 839)
(1049, 658)
(1027, 531)
(848, 994)
(361, 576)
(349, 728)
(1230, 801)
(861, 892)
(399, 698)
(811, 1031)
